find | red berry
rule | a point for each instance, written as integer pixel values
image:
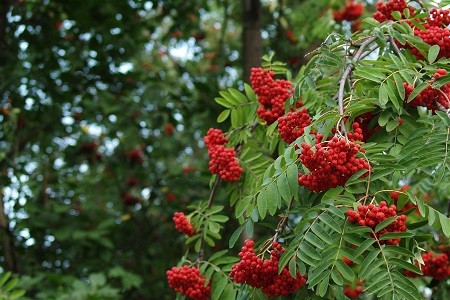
(263, 273)
(188, 281)
(350, 12)
(372, 215)
(223, 161)
(183, 225)
(331, 164)
(272, 94)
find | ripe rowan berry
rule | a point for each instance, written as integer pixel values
(183, 225)
(350, 12)
(188, 281)
(272, 94)
(372, 215)
(292, 125)
(385, 10)
(436, 266)
(263, 273)
(332, 163)
(430, 97)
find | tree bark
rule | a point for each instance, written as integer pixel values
(252, 42)
(6, 237)
(4, 8)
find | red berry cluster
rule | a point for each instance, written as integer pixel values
(183, 225)
(132, 181)
(385, 10)
(223, 160)
(263, 273)
(445, 249)
(430, 98)
(129, 199)
(350, 12)
(371, 215)
(135, 156)
(436, 32)
(395, 194)
(290, 37)
(332, 163)
(353, 292)
(364, 120)
(357, 134)
(347, 261)
(272, 94)
(188, 281)
(214, 137)
(170, 197)
(436, 266)
(292, 125)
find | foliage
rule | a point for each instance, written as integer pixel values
(101, 130)
(8, 289)
(347, 79)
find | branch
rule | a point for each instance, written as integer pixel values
(282, 225)
(346, 74)
(394, 45)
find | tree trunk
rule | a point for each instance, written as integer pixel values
(4, 7)
(252, 36)
(6, 238)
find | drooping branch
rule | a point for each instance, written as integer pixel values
(348, 70)
(214, 190)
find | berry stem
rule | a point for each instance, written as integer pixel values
(213, 192)
(282, 225)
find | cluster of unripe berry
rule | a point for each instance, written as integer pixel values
(436, 265)
(371, 215)
(188, 281)
(263, 273)
(350, 12)
(292, 125)
(272, 94)
(223, 161)
(332, 163)
(183, 225)
(430, 97)
(353, 291)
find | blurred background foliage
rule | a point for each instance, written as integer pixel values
(103, 108)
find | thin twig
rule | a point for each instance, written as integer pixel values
(394, 45)
(212, 194)
(282, 225)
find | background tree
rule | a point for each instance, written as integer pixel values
(103, 111)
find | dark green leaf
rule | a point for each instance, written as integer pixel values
(345, 270)
(218, 285)
(385, 223)
(235, 236)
